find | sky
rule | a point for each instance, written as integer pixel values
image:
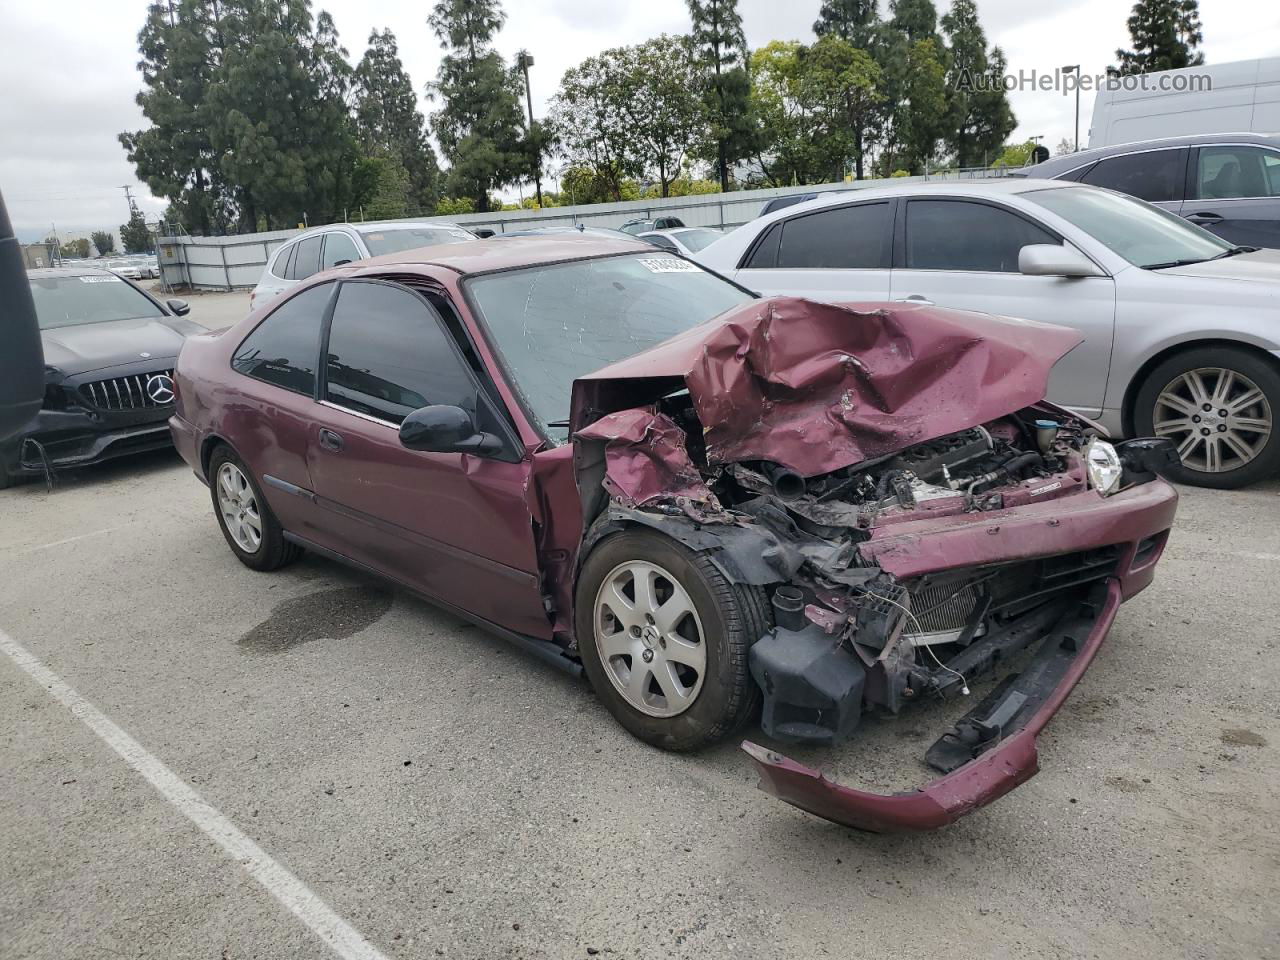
(69, 73)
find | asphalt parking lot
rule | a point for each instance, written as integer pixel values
(213, 310)
(446, 795)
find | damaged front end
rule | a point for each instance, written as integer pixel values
(918, 516)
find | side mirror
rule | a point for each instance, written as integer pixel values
(441, 428)
(179, 308)
(1055, 260)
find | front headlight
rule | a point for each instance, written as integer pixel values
(1103, 464)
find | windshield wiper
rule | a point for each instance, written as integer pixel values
(1233, 251)
(560, 424)
(1176, 263)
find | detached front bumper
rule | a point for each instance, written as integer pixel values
(1054, 671)
(75, 438)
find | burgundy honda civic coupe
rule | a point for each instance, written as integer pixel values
(721, 508)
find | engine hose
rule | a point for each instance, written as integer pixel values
(1007, 469)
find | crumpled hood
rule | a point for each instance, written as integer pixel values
(93, 346)
(818, 387)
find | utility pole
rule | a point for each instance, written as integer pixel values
(128, 195)
(525, 60)
(1074, 70)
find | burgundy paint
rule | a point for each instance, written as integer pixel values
(989, 777)
(646, 457)
(817, 387)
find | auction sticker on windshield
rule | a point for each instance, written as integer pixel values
(668, 265)
(107, 279)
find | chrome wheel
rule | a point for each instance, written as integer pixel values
(650, 638)
(240, 514)
(1219, 418)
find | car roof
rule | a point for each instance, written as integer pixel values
(1070, 161)
(371, 225)
(975, 187)
(504, 253)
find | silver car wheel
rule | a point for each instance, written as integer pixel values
(1219, 418)
(240, 514)
(650, 638)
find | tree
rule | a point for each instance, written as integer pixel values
(588, 123)
(721, 56)
(278, 116)
(840, 81)
(1165, 35)
(917, 95)
(851, 20)
(1065, 146)
(659, 105)
(917, 19)
(103, 242)
(388, 122)
(980, 118)
(78, 247)
(181, 49)
(134, 235)
(480, 124)
(382, 188)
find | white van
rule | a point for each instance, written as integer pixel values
(1220, 98)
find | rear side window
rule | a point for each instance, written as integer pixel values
(1155, 176)
(847, 238)
(280, 265)
(283, 348)
(338, 246)
(389, 355)
(1238, 172)
(956, 235)
(306, 260)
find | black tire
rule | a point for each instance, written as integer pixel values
(1242, 362)
(274, 551)
(733, 617)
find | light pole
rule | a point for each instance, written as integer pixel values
(525, 60)
(1075, 70)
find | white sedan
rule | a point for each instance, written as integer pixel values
(1180, 326)
(125, 268)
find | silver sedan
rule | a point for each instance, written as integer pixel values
(1182, 338)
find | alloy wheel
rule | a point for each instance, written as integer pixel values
(1219, 419)
(239, 506)
(650, 638)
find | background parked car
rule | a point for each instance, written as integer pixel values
(109, 353)
(1228, 183)
(323, 247)
(686, 240)
(1180, 326)
(644, 226)
(124, 268)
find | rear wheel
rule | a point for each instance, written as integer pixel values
(664, 637)
(1218, 406)
(250, 528)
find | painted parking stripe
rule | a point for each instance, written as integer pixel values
(339, 935)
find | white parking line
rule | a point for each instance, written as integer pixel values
(59, 543)
(340, 936)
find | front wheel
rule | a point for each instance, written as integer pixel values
(1218, 406)
(664, 638)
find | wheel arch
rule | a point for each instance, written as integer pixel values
(207, 446)
(1186, 346)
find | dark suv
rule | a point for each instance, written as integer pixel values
(1228, 183)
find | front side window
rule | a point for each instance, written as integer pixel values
(1144, 235)
(553, 323)
(1154, 176)
(92, 298)
(389, 354)
(1228, 172)
(306, 260)
(338, 247)
(695, 239)
(283, 348)
(958, 235)
(846, 238)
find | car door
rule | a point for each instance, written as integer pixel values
(453, 526)
(963, 253)
(1156, 176)
(839, 254)
(1233, 190)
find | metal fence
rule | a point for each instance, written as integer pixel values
(236, 262)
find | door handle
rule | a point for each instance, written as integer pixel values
(1203, 218)
(330, 440)
(914, 298)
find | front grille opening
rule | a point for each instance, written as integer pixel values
(1148, 550)
(128, 393)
